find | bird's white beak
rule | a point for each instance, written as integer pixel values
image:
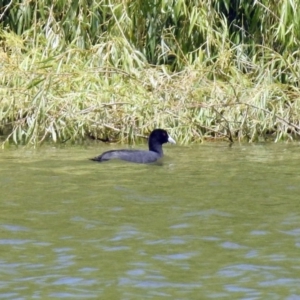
(170, 140)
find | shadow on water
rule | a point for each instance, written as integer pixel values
(209, 222)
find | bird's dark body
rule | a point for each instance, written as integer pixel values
(156, 139)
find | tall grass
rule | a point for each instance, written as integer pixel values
(114, 70)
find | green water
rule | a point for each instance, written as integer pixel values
(212, 222)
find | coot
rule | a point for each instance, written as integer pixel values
(156, 139)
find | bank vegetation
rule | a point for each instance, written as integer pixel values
(113, 70)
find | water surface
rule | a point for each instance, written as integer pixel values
(211, 222)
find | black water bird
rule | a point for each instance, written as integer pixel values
(156, 139)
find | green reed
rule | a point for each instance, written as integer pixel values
(115, 70)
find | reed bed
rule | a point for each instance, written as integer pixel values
(86, 73)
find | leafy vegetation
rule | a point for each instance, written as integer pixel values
(114, 70)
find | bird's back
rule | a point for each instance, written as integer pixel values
(137, 156)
